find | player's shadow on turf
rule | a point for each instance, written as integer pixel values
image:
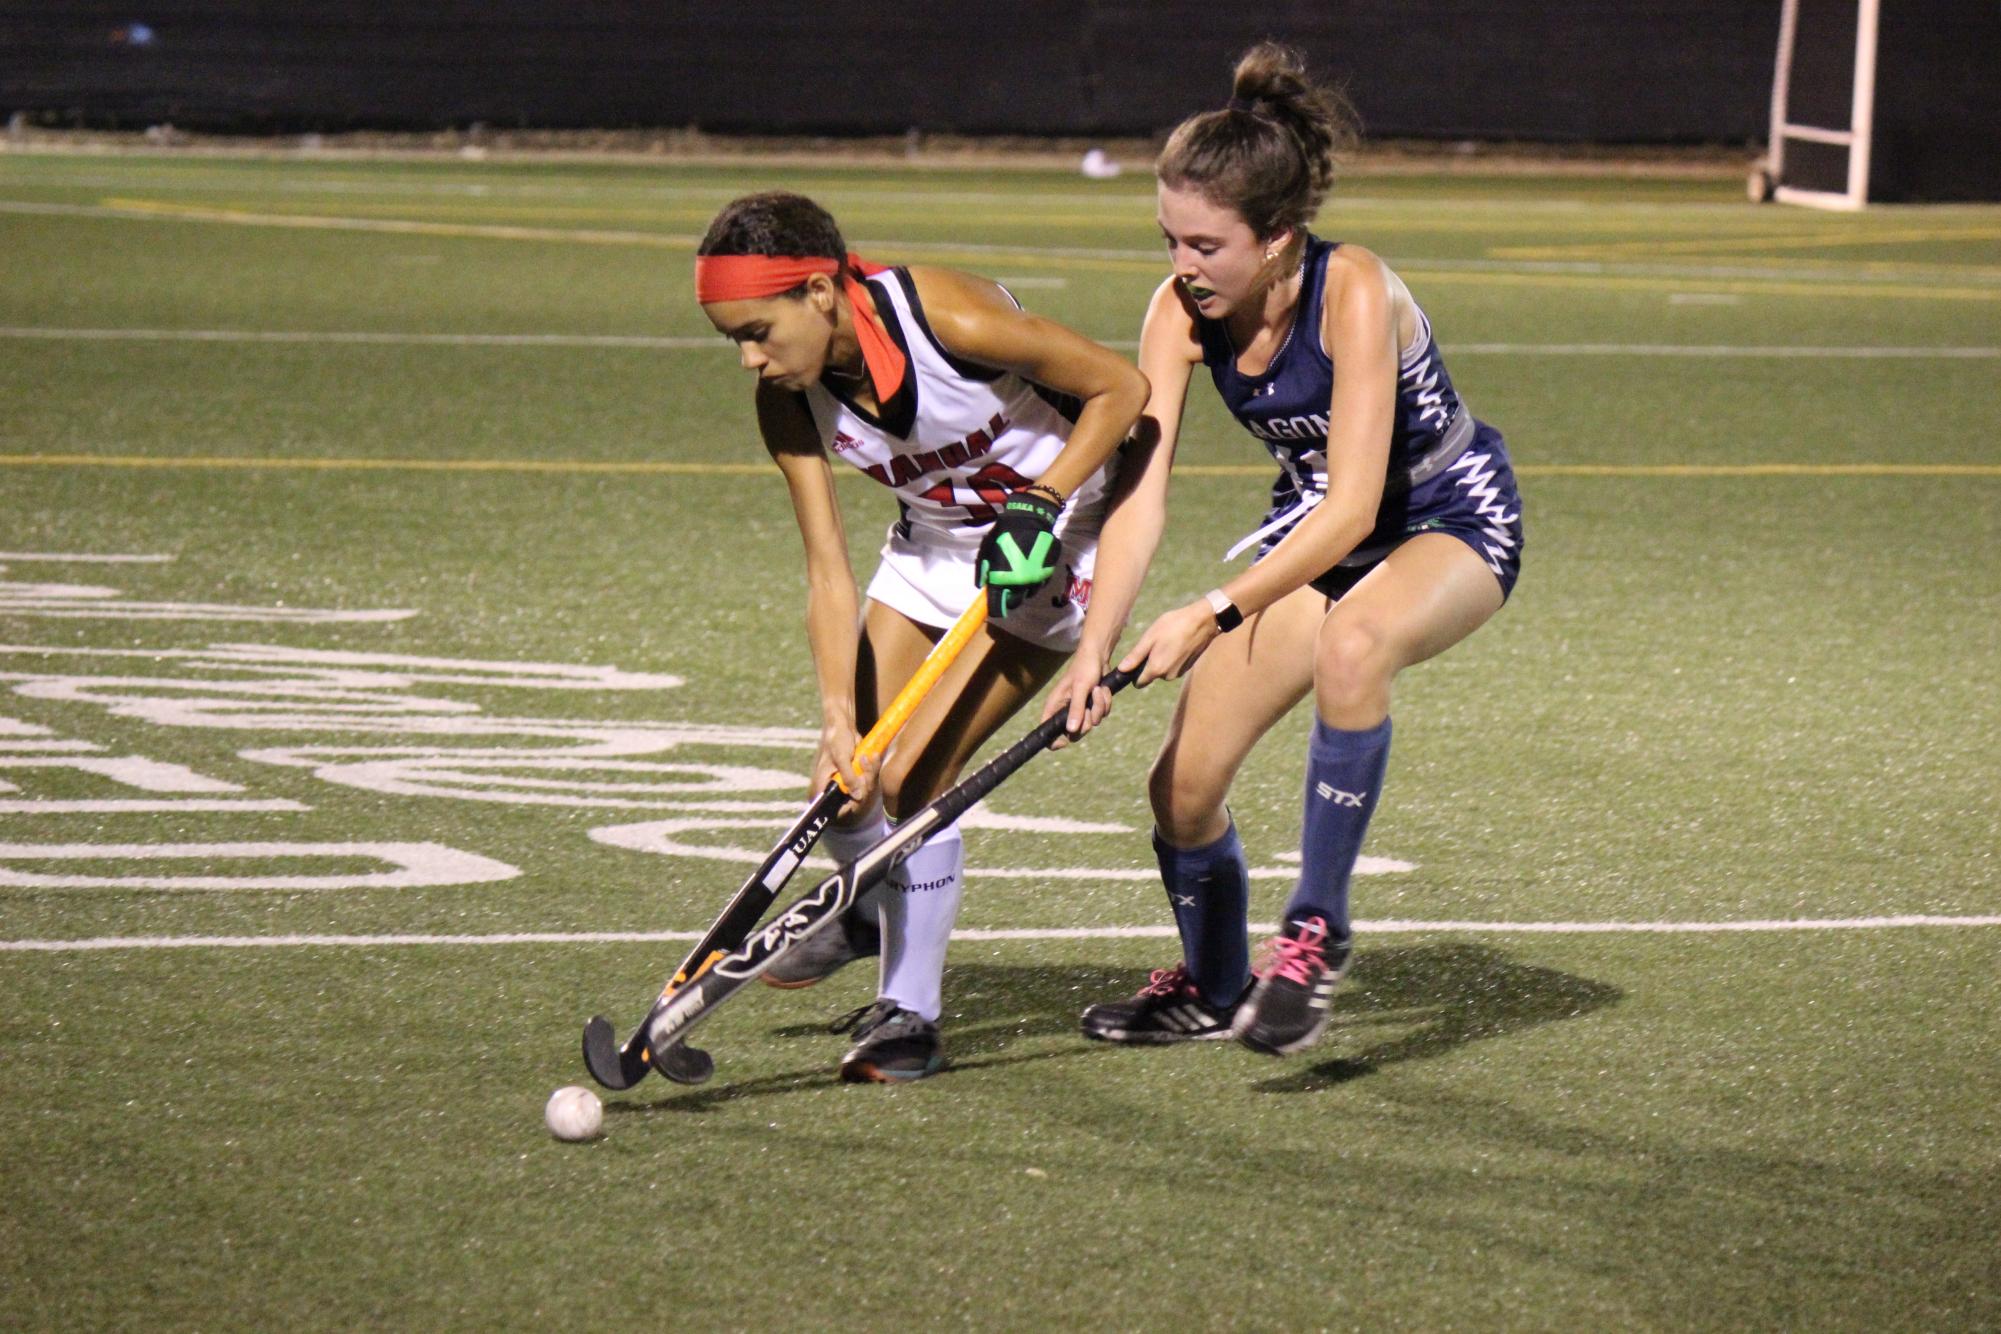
(1428, 999)
(1436, 997)
(1415, 1001)
(1399, 1003)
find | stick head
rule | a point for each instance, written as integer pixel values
(603, 1058)
(686, 1065)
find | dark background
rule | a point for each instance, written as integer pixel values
(1555, 71)
(1639, 71)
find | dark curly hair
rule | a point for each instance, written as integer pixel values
(1270, 154)
(776, 222)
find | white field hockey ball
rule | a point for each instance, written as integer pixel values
(574, 1113)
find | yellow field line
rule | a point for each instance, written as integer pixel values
(941, 252)
(400, 226)
(1761, 469)
(367, 214)
(989, 259)
(1737, 244)
(1137, 218)
(472, 209)
(1738, 286)
(389, 465)
(760, 469)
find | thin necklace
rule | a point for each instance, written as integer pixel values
(1286, 342)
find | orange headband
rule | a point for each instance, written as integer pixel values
(751, 277)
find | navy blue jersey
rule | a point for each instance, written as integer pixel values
(1286, 407)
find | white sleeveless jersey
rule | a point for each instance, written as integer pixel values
(957, 437)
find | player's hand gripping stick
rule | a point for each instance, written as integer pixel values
(620, 1066)
(670, 1021)
(1020, 551)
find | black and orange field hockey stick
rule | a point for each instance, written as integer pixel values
(681, 1010)
(619, 1066)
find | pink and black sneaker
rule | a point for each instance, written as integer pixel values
(1287, 1009)
(1168, 1008)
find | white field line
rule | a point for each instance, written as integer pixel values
(711, 343)
(75, 558)
(1385, 927)
(157, 805)
(682, 343)
(184, 181)
(1751, 269)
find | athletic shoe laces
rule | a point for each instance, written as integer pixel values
(1166, 981)
(1303, 957)
(864, 1017)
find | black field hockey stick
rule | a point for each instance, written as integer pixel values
(670, 1022)
(620, 1066)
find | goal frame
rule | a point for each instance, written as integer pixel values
(1855, 137)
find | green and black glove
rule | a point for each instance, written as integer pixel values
(1020, 552)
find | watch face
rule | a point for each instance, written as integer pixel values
(1228, 617)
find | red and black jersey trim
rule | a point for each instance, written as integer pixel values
(899, 415)
(1069, 405)
(968, 370)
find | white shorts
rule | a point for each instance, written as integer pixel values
(931, 581)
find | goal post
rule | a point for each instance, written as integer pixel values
(1823, 105)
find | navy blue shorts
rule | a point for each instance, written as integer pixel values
(1474, 500)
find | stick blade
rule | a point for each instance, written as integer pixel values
(603, 1058)
(687, 1065)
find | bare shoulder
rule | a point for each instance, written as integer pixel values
(948, 293)
(1170, 321)
(1355, 271)
(1364, 298)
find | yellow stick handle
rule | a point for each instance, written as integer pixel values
(935, 663)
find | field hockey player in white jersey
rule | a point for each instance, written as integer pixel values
(1394, 532)
(996, 431)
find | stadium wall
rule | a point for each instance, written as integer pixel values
(1631, 71)
(1938, 103)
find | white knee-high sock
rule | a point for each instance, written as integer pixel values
(842, 843)
(920, 901)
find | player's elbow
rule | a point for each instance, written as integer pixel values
(1134, 389)
(1124, 402)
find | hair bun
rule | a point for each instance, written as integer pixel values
(1276, 165)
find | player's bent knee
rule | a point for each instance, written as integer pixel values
(1352, 663)
(1185, 804)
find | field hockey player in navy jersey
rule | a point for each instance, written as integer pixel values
(996, 432)
(1394, 532)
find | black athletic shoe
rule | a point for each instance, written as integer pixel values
(1287, 1009)
(892, 1045)
(1167, 1009)
(824, 953)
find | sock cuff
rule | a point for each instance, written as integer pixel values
(950, 834)
(846, 842)
(1228, 845)
(1336, 741)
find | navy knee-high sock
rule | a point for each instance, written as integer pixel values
(1344, 775)
(1209, 890)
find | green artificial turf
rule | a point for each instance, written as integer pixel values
(1717, 697)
